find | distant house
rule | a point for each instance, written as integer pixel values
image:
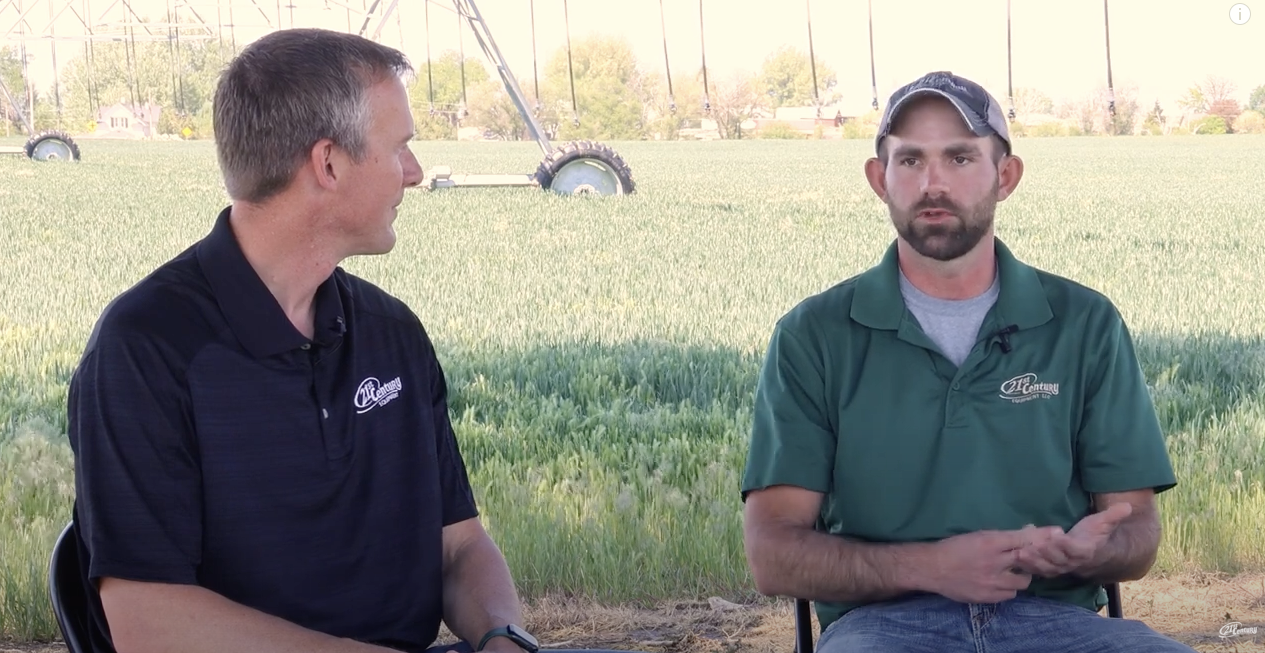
(123, 121)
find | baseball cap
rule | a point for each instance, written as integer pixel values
(979, 109)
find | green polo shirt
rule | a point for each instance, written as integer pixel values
(856, 402)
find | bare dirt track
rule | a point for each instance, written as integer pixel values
(1193, 609)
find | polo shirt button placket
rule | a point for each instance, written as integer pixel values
(951, 400)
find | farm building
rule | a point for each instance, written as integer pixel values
(124, 121)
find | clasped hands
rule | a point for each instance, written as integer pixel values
(993, 566)
(1048, 552)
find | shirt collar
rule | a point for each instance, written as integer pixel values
(877, 302)
(252, 312)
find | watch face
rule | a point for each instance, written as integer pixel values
(524, 635)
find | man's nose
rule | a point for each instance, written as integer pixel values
(413, 173)
(934, 180)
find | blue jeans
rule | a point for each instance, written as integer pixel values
(934, 624)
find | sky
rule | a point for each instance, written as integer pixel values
(1162, 47)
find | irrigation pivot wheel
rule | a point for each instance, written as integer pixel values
(52, 146)
(585, 168)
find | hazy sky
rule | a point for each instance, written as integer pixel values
(1162, 47)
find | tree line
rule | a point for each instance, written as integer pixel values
(604, 94)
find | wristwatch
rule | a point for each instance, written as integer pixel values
(522, 638)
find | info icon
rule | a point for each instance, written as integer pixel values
(1240, 14)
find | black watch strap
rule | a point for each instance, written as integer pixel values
(513, 633)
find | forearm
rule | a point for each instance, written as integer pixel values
(479, 592)
(806, 564)
(152, 617)
(1129, 552)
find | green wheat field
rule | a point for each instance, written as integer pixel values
(602, 352)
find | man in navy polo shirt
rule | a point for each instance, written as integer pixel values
(264, 459)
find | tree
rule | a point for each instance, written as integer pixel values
(1030, 101)
(735, 101)
(181, 83)
(1092, 114)
(1256, 101)
(436, 94)
(1250, 122)
(661, 121)
(1154, 122)
(1209, 125)
(1201, 98)
(492, 110)
(786, 78)
(608, 91)
(1226, 109)
(1127, 109)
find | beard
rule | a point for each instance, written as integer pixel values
(951, 239)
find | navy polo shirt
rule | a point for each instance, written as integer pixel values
(216, 445)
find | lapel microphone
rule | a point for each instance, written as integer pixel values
(1004, 334)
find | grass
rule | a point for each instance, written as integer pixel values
(602, 353)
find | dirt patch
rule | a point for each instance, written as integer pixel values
(15, 647)
(1192, 608)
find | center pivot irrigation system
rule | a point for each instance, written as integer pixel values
(587, 167)
(573, 168)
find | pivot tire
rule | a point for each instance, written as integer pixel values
(52, 146)
(585, 168)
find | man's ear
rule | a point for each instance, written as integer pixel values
(327, 162)
(876, 174)
(1008, 176)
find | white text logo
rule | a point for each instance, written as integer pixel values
(1234, 629)
(1026, 388)
(373, 393)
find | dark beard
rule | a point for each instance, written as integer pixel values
(945, 242)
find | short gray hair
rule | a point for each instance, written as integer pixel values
(288, 90)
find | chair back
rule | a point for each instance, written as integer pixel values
(66, 591)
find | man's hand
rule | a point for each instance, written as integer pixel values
(1065, 553)
(980, 567)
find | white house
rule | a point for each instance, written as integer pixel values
(123, 121)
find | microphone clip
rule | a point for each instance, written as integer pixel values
(1004, 334)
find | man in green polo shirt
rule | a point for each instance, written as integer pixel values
(954, 451)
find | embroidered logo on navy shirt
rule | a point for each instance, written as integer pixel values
(373, 393)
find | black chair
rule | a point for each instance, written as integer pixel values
(66, 579)
(804, 617)
(65, 589)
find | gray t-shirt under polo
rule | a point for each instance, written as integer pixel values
(953, 324)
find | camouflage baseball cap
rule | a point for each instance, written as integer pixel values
(979, 109)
